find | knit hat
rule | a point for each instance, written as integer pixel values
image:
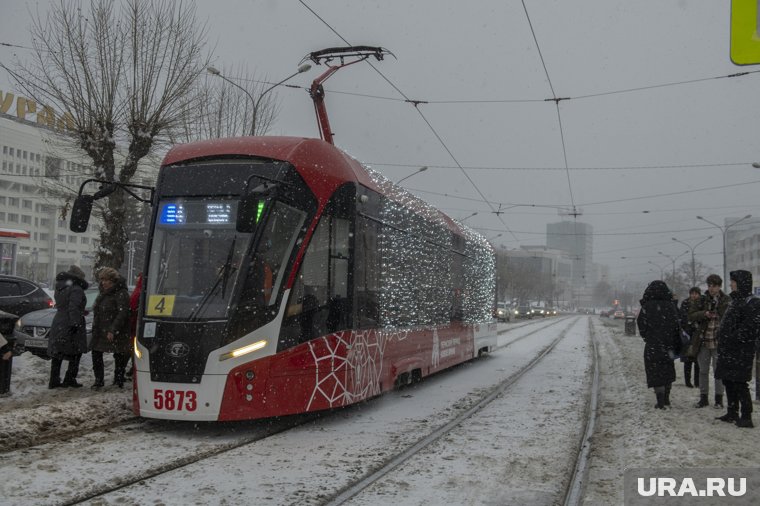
(77, 272)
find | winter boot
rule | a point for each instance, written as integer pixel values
(687, 374)
(745, 422)
(702, 401)
(732, 414)
(718, 401)
(55, 374)
(98, 369)
(660, 401)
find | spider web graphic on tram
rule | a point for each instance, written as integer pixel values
(356, 365)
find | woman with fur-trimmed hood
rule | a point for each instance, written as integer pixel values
(661, 331)
(110, 326)
(68, 335)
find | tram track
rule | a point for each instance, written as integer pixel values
(274, 427)
(291, 423)
(574, 489)
(49, 432)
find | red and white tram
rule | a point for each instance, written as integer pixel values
(284, 277)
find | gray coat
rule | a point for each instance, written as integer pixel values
(68, 335)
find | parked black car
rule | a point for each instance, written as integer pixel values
(19, 296)
(7, 322)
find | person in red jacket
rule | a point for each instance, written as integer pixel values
(134, 301)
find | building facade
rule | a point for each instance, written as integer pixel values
(33, 170)
(576, 239)
(743, 247)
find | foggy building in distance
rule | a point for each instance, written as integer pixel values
(577, 240)
(743, 248)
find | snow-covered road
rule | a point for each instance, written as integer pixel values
(519, 449)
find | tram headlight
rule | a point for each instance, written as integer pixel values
(244, 350)
(138, 353)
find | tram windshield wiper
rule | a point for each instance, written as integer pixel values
(221, 280)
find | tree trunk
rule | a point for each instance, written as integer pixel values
(113, 236)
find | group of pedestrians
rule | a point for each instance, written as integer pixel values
(711, 331)
(112, 327)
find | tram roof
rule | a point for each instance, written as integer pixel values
(308, 155)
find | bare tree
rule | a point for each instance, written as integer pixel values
(225, 110)
(124, 78)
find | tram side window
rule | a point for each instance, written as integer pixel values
(457, 287)
(366, 271)
(318, 303)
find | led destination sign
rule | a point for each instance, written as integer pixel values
(197, 213)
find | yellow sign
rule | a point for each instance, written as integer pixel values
(45, 115)
(160, 305)
(745, 25)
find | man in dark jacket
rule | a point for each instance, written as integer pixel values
(737, 340)
(68, 335)
(659, 327)
(706, 315)
(689, 328)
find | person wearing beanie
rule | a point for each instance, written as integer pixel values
(68, 335)
(705, 314)
(737, 340)
(659, 327)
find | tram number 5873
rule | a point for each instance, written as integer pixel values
(174, 400)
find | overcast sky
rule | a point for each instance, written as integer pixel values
(482, 60)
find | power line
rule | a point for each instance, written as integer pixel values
(626, 167)
(416, 104)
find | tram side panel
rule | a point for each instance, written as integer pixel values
(341, 369)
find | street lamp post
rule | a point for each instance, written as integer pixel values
(660, 268)
(673, 260)
(693, 265)
(301, 69)
(724, 230)
(421, 169)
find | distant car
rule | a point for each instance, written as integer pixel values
(503, 312)
(32, 329)
(20, 296)
(550, 312)
(538, 311)
(523, 312)
(619, 314)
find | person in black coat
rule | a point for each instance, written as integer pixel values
(737, 341)
(659, 327)
(68, 336)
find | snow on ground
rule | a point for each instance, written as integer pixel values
(630, 433)
(518, 449)
(32, 412)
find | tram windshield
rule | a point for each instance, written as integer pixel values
(195, 258)
(198, 258)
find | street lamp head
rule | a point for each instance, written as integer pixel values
(756, 165)
(212, 70)
(304, 68)
(423, 168)
(747, 217)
